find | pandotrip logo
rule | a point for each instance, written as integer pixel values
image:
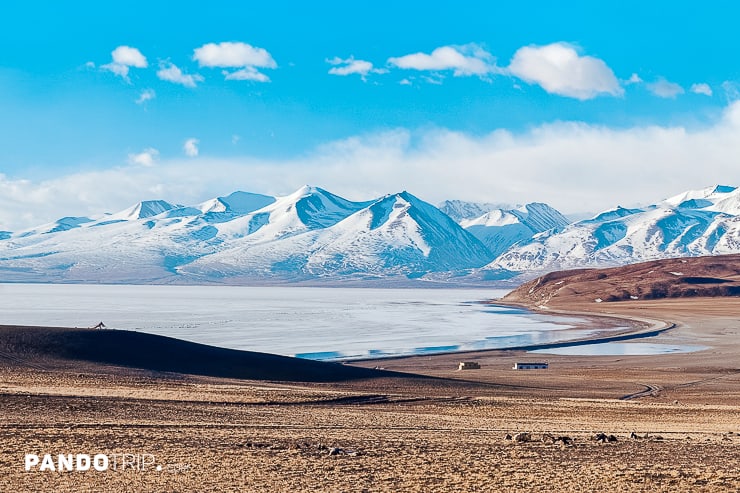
(97, 463)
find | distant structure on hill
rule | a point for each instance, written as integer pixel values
(468, 365)
(530, 366)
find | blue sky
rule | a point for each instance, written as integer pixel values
(579, 104)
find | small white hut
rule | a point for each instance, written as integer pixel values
(468, 365)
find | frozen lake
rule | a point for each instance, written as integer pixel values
(316, 323)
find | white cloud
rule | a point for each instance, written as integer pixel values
(190, 147)
(170, 72)
(236, 55)
(464, 60)
(146, 95)
(613, 166)
(634, 79)
(349, 66)
(559, 69)
(665, 89)
(405, 82)
(701, 88)
(125, 57)
(246, 73)
(146, 158)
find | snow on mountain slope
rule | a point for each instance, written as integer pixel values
(460, 209)
(63, 224)
(694, 223)
(313, 234)
(142, 210)
(310, 233)
(501, 228)
(306, 209)
(236, 203)
(395, 235)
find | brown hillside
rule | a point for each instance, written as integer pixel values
(670, 278)
(51, 347)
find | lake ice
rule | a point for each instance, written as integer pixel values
(316, 323)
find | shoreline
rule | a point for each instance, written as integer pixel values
(642, 328)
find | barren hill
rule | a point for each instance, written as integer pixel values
(670, 278)
(48, 348)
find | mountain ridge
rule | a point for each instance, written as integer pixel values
(314, 235)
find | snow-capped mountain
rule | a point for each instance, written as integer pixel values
(694, 223)
(240, 237)
(499, 229)
(460, 209)
(395, 235)
(313, 234)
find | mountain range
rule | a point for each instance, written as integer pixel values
(313, 235)
(690, 224)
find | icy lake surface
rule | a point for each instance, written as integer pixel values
(316, 323)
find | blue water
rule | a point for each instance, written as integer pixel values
(315, 323)
(622, 349)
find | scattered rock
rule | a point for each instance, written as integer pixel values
(522, 437)
(565, 440)
(341, 451)
(508, 437)
(604, 438)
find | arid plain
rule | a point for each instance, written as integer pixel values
(669, 422)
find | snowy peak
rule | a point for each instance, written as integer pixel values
(143, 210)
(692, 223)
(399, 234)
(63, 224)
(236, 203)
(540, 217)
(499, 229)
(460, 209)
(704, 197)
(317, 208)
(612, 214)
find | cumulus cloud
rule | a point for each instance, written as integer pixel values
(146, 95)
(613, 166)
(559, 69)
(125, 57)
(634, 79)
(236, 55)
(349, 66)
(190, 147)
(465, 60)
(665, 89)
(246, 73)
(701, 88)
(170, 72)
(146, 158)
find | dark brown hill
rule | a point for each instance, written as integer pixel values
(670, 278)
(50, 347)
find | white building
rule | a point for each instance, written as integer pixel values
(530, 366)
(468, 365)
